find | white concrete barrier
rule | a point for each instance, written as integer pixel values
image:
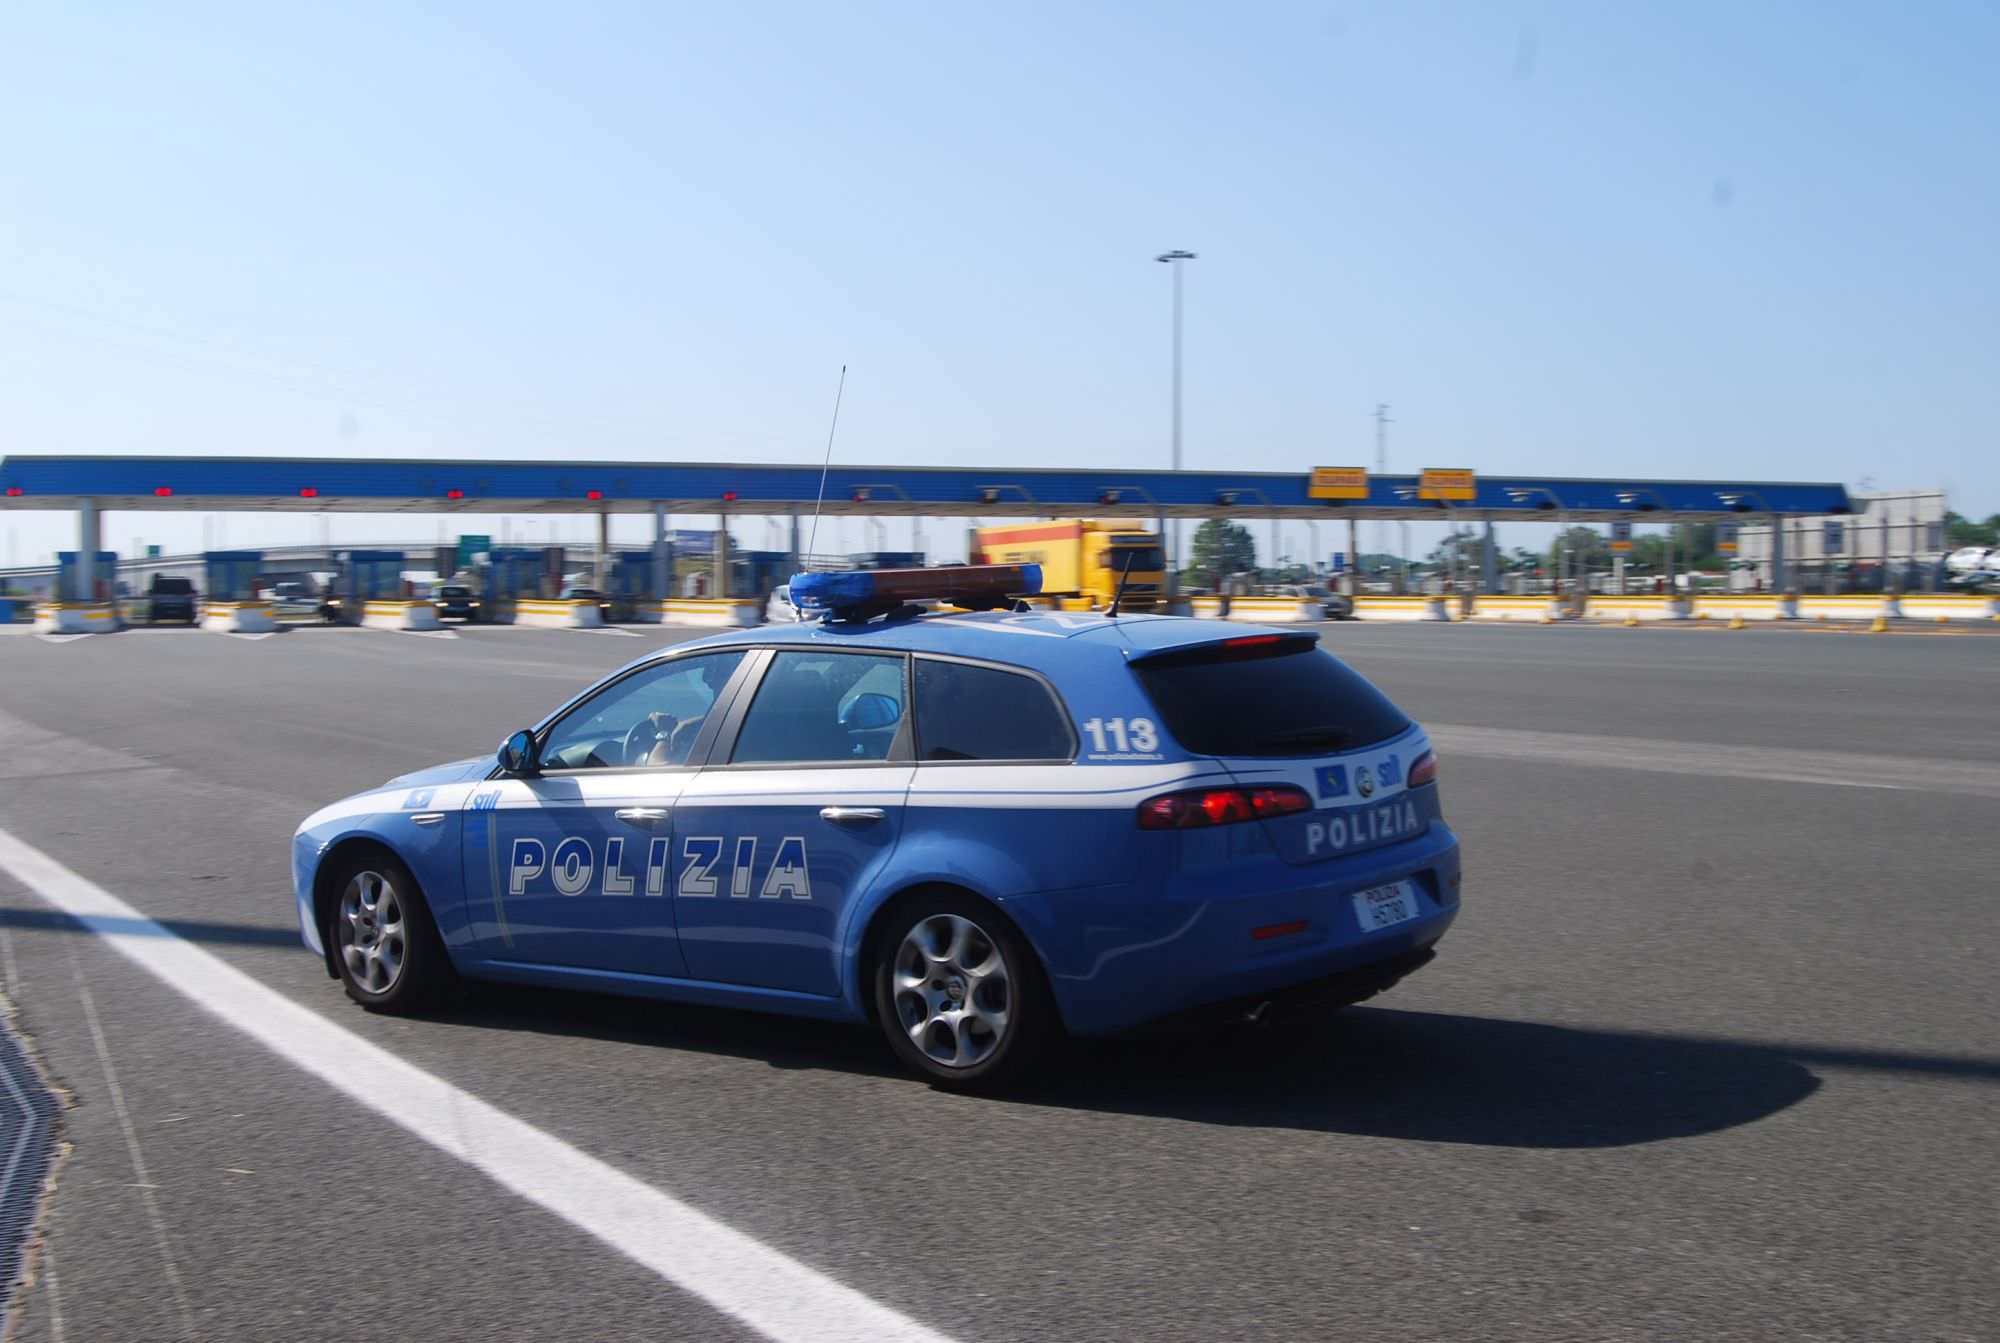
(238, 617)
(1508, 606)
(399, 615)
(710, 612)
(76, 617)
(1949, 606)
(1392, 608)
(1858, 606)
(1640, 606)
(1276, 610)
(558, 613)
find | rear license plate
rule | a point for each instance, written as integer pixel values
(1386, 906)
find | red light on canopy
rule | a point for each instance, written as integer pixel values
(308, 493)
(729, 496)
(162, 491)
(15, 491)
(593, 495)
(454, 494)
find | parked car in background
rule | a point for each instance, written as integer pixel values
(455, 601)
(1332, 605)
(590, 595)
(172, 598)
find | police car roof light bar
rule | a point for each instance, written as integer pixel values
(858, 594)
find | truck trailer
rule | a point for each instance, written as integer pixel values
(1082, 561)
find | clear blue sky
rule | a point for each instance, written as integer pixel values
(1584, 238)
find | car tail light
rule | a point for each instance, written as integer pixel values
(1200, 808)
(1279, 801)
(1423, 770)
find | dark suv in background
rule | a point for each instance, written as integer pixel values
(170, 598)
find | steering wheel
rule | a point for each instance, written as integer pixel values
(647, 733)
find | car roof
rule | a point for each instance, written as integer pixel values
(1051, 642)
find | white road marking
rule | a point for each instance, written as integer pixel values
(429, 634)
(1717, 759)
(601, 629)
(145, 1184)
(735, 1273)
(48, 1258)
(237, 634)
(61, 638)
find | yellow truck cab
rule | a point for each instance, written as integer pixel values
(1082, 561)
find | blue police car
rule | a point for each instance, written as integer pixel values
(974, 828)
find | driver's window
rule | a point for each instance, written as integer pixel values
(649, 719)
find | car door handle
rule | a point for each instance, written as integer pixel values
(852, 815)
(428, 818)
(642, 815)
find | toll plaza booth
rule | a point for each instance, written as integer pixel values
(231, 575)
(757, 573)
(555, 564)
(229, 600)
(86, 595)
(513, 574)
(73, 586)
(631, 587)
(369, 576)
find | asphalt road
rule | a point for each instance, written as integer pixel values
(1713, 1051)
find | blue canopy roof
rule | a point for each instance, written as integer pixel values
(343, 485)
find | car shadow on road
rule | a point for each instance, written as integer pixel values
(1426, 1076)
(1436, 1077)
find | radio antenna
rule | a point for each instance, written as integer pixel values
(812, 542)
(1124, 577)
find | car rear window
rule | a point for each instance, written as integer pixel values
(1284, 697)
(967, 712)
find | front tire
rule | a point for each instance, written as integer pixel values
(384, 944)
(959, 993)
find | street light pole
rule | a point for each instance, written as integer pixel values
(1171, 261)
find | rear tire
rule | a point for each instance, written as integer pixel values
(384, 944)
(959, 993)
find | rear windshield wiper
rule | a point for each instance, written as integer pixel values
(1322, 734)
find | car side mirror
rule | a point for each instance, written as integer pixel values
(517, 754)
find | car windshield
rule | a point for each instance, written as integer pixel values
(454, 590)
(173, 587)
(1285, 697)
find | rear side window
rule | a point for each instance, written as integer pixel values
(983, 713)
(1287, 697)
(824, 708)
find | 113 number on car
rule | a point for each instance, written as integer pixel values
(1123, 734)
